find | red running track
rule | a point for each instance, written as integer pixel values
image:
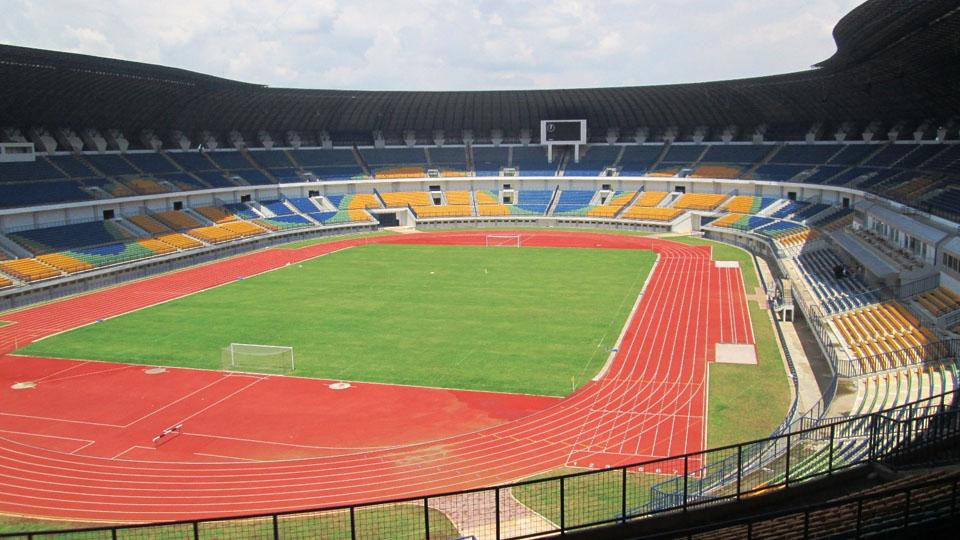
(650, 403)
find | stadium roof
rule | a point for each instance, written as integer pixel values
(896, 65)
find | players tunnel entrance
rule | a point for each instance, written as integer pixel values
(388, 219)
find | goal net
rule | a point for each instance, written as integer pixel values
(504, 240)
(248, 358)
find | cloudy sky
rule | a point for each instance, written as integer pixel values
(441, 44)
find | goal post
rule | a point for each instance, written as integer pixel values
(503, 240)
(253, 358)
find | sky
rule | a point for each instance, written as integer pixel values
(441, 44)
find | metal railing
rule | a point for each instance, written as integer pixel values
(928, 353)
(593, 498)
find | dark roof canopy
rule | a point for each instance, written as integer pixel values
(897, 63)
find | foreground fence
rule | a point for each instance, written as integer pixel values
(592, 498)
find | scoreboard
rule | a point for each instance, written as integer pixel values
(563, 132)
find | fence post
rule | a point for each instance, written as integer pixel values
(276, 528)
(906, 511)
(830, 458)
(353, 523)
(496, 512)
(196, 530)
(786, 478)
(686, 471)
(623, 494)
(859, 516)
(426, 518)
(872, 454)
(739, 470)
(563, 524)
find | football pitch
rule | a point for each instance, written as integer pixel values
(529, 320)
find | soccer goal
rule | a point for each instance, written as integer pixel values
(249, 358)
(503, 240)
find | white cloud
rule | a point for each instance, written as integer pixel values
(440, 44)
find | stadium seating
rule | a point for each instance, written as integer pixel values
(151, 163)
(743, 154)
(872, 333)
(748, 204)
(242, 228)
(449, 160)
(443, 211)
(533, 201)
(216, 214)
(457, 198)
(241, 210)
(805, 154)
(179, 241)
(834, 295)
(652, 214)
(488, 161)
(64, 237)
(615, 204)
(279, 223)
(651, 198)
(111, 164)
(637, 160)
(177, 220)
(28, 269)
(230, 160)
(684, 154)
(148, 224)
(699, 201)
(13, 195)
(396, 162)
(532, 161)
(277, 208)
(593, 162)
(70, 165)
(4, 282)
(574, 202)
(406, 198)
(64, 262)
(939, 301)
(780, 173)
(328, 164)
(716, 171)
(192, 161)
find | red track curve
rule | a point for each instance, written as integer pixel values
(651, 403)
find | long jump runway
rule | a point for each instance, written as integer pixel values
(85, 452)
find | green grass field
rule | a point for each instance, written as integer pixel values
(533, 320)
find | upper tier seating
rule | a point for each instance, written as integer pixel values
(853, 154)
(329, 163)
(593, 162)
(458, 198)
(29, 170)
(192, 161)
(683, 153)
(64, 237)
(532, 161)
(805, 154)
(241, 210)
(152, 162)
(396, 162)
(111, 164)
(489, 160)
(303, 205)
(70, 165)
(448, 160)
(789, 209)
(736, 153)
(717, 171)
(13, 195)
(231, 160)
(779, 173)
(637, 160)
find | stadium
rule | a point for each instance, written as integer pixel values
(711, 310)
